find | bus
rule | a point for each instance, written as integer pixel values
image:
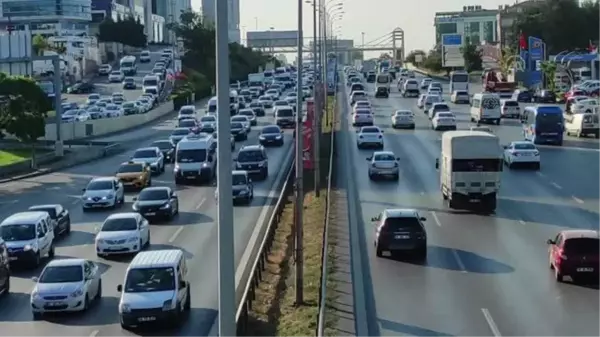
(459, 81)
(543, 124)
(128, 65)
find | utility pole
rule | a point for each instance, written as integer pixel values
(316, 111)
(363, 39)
(299, 209)
(227, 326)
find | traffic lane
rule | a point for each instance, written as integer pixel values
(528, 206)
(193, 228)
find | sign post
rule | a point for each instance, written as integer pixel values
(452, 56)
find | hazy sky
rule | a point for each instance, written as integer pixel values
(373, 17)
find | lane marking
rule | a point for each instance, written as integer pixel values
(200, 203)
(522, 222)
(176, 234)
(540, 174)
(435, 218)
(461, 265)
(579, 201)
(490, 322)
(10, 202)
(94, 333)
(75, 202)
(557, 186)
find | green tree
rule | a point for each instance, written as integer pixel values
(549, 70)
(507, 61)
(128, 31)
(433, 61)
(472, 55)
(22, 109)
(40, 44)
(410, 58)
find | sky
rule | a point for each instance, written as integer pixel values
(414, 17)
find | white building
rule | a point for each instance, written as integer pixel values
(47, 17)
(473, 22)
(208, 13)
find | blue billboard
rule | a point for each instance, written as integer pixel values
(331, 74)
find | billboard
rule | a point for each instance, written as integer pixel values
(272, 39)
(451, 51)
(331, 74)
(307, 134)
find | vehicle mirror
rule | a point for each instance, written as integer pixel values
(550, 241)
(210, 159)
(35, 279)
(423, 218)
(369, 158)
(375, 218)
(120, 288)
(437, 163)
(83, 189)
(174, 195)
(250, 180)
(182, 284)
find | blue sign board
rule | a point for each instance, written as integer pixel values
(536, 49)
(452, 40)
(331, 75)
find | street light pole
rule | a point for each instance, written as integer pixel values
(316, 112)
(227, 326)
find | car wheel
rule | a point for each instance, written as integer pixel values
(99, 291)
(188, 302)
(86, 303)
(396, 177)
(51, 252)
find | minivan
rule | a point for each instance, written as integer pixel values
(485, 107)
(583, 124)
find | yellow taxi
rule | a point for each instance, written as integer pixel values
(135, 174)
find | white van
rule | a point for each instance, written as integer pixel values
(582, 124)
(485, 107)
(383, 80)
(195, 158)
(150, 81)
(211, 106)
(128, 65)
(155, 289)
(29, 236)
(459, 81)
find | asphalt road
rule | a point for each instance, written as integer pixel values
(194, 231)
(485, 275)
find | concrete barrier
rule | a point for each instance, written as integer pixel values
(99, 127)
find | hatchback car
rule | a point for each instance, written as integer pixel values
(574, 253)
(400, 230)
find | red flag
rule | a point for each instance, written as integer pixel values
(522, 41)
(591, 47)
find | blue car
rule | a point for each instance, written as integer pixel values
(522, 95)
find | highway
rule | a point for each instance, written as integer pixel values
(194, 231)
(484, 275)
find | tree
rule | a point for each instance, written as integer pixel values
(549, 68)
(39, 44)
(410, 58)
(433, 61)
(127, 31)
(472, 55)
(22, 109)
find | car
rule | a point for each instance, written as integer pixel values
(66, 285)
(285, 116)
(356, 96)
(254, 160)
(167, 148)
(403, 119)
(92, 99)
(145, 56)
(590, 105)
(281, 103)
(249, 114)
(152, 156)
(266, 101)
(27, 238)
(130, 108)
(436, 108)
(435, 86)
(116, 76)
(104, 69)
(400, 230)
(178, 134)
(60, 219)
(129, 83)
(362, 105)
(429, 100)
(113, 110)
(421, 101)
(208, 123)
(521, 153)
(571, 101)
(103, 192)
(118, 100)
(189, 123)
(523, 95)
(159, 202)
(239, 131)
(96, 112)
(383, 164)
(242, 186)
(186, 111)
(544, 96)
(81, 88)
(574, 253)
(382, 92)
(425, 83)
(134, 175)
(443, 121)
(369, 136)
(460, 96)
(510, 108)
(362, 117)
(274, 93)
(434, 91)
(271, 135)
(258, 108)
(76, 115)
(122, 233)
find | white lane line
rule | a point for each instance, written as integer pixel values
(579, 201)
(540, 174)
(435, 218)
(10, 202)
(461, 265)
(94, 333)
(522, 222)
(557, 186)
(200, 203)
(75, 202)
(490, 322)
(176, 234)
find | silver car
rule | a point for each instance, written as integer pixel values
(102, 193)
(383, 164)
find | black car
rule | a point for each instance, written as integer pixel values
(129, 83)
(167, 148)
(239, 131)
(253, 159)
(544, 96)
(382, 92)
(258, 108)
(157, 202)
(81, 88)
(522, 95)
(61, 220)
(242, 188)
(400, 230)
(271, 135)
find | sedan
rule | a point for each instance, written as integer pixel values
(116, 76)
(66, 285)
(129, 83)
(78, 115)
(157, 202)
(244, 120)
(167, 148)
(271, 135)
(249, 113)
(266, 101)
(103, 192)
(369, 136)
(362, 117)
(81, 88)
(122, 233)
(152, 156)
(383, 164)
(403, 119)
(130, 108)
(258, 108)
(443, 121)
(208, 124)
(523, 153)
(178, 134)
(113, 110)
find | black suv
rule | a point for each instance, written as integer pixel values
(400, 230)
(253, 159)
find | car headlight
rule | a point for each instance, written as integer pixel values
(155, 163)
(261, 137)
(166, 206)
(133, 239)
(261, 164)
(167, 305)
(278, 137)
(176, 168)
(123, 307)
(204, 164)
(30, 247)
(135, 207)
(110, 196)
(77, 293)
(35, 294)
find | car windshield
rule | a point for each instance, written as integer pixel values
(238, 179)
(285, 113)
(247, 113)
(112, 107)
(281, 103)
(94, 109)
(21, 232)
(433, 99)
(445, 115)
(144, 154)
(180, 132)
(441, 107)
(163, 144)
(511, 103)
(131, 168)
(370, 130)
(384, 157)
(61, 274)
(245, 156)
(401, 224)
(363, 112)
(94, 97)
(149, 194)
(462, 93)
(129, 105)
(207, 119)
(236, 126)
(142, 280)
(119, 224)
(524, 146)
(129, 80)
(271, 130)
(582, 246)
(241, 119)
(100, 185)
(71, 113)
(545, 118)
(118, 73)
(186, 123)
(191, 156)
(212, 107)
(189, 111)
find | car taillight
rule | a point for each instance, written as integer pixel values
(561, 255)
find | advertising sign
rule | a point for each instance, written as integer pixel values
(331, 75)
(536, 56)
(307, 134)
(451, 51)
(272, 39)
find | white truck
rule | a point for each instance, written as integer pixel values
(470, 167)
(256, 80)
(367, 66)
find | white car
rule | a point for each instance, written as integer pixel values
(187, 111)
(249, 113)
(113, 110)
(521, 153)
(104, 69)
(145, 56)
(274, 93)
(362, 117)
(92, 99)
(434, 91)
(122, 233)
(208, 122)
(421, 101)
(76, 115)
(145, 103)
(510, 108)
(443, 121)
(460, 96)
(425, 83)
(429, 100)
(369, 136)
(152, 156)
(437, 108)
(362, 105)
(403, 119)
(116, 76)
(103, 192)
(244, 120)
(66, 285)
(383, 164)
(357, 95)
(587, 105)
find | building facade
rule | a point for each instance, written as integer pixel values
(208, 13)
(477, 25)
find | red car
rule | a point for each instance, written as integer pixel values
(574, 253)
(574, 92)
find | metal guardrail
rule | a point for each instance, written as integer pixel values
(324, 253)
(255, 276)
